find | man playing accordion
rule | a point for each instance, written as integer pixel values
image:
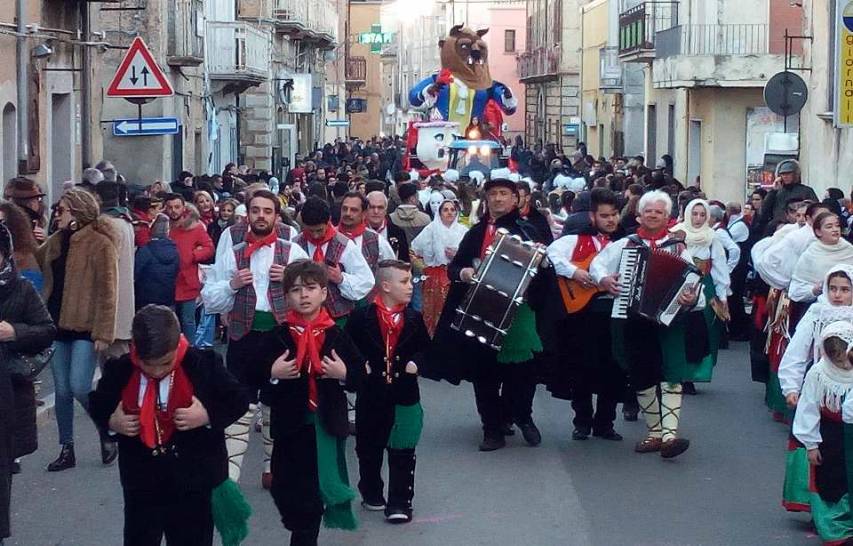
(655, 358)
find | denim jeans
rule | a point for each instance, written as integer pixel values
(186, 315)
(73, 368)
(205, 331)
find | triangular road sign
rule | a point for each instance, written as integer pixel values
(139, 75)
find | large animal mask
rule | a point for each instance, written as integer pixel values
(466, 55)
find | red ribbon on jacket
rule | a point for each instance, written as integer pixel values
(585, 246)
(157, 424)
(318, 242)
(489, 236)
(309, 337)
(391, 325)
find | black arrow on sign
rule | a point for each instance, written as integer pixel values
(145, 76)
(133, 78)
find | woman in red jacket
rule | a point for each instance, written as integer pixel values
(194, 247)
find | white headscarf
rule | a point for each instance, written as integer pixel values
(694, 237)
(825, 312)
(834, 384)
(436, 237)
(819, 257)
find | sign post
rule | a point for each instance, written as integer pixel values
(139, 79)
(843, 91)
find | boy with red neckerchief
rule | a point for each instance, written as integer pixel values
(312, 362)
(349, 274)
(393, 339)
(169, 404)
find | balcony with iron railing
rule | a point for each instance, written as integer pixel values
(609, 69)
(237, 50)
(355, 72)
(540, 64)
(638, 27)
(727, 55)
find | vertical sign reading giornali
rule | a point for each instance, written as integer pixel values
(844, 64)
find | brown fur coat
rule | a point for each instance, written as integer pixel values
(91, 280)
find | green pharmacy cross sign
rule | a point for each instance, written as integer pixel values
(376, 38)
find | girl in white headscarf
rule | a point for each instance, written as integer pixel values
(710, 257)
(823, 413)
(829, 249)
(835, 304)
(436, 245)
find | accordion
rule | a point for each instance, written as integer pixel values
(650, 282)
(499, 288)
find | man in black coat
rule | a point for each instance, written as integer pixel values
(378, 221)
(169, 404)
(392, 338)
(454, 357)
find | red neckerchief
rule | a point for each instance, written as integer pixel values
(585, 246)
(653, 238)
(253, 242)
(355, 232)
(207, 218)
(328, 235)
(391, 325)
(489, 236)
(309, 337)
(156, 425)
(524, 212)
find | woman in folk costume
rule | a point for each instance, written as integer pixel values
(836, 303)
(436, 245)
(704, 327)
(822, 424)
(829, 249)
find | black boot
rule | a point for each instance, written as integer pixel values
(65, 460)
(531, 433)
(109, 448)
(401, 485)
(370, 483)
(304, 538)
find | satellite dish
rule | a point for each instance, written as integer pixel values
(785, 94)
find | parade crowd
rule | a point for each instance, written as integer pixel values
(309, 308)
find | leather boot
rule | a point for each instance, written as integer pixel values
(65, 460)
(401, 485)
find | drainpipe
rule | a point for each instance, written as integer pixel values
(85, 90)
(23, 78)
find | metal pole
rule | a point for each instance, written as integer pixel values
(85, 91)
(23, 77)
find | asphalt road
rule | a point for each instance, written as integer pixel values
(724, 490)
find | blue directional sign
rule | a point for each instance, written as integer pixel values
(145, 126)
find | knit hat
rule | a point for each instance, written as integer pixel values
(83, 206)
(160, 227)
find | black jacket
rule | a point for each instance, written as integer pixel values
(398, 240)
(540, 223)
(288, 399)
(363, 327)
(202, 460)
(452, 356)
(23, 308)
(155, 272)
